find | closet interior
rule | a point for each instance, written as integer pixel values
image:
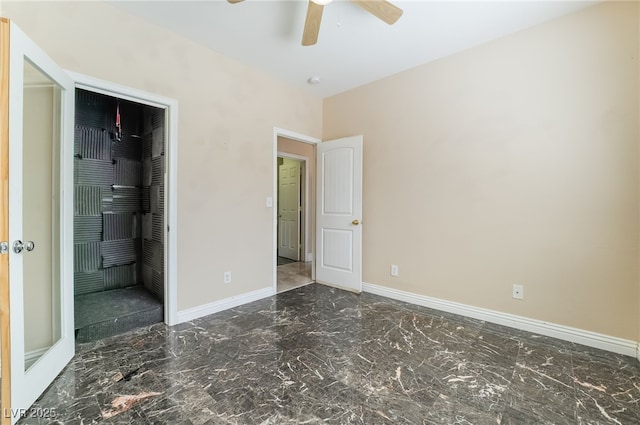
(119, 215)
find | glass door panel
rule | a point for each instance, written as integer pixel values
(41, 212)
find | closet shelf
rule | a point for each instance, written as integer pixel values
(122, 186)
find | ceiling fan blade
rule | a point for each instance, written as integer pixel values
(382, 9)
(312, 24)
(234, 1)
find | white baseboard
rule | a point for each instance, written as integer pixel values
(30, 357)
(309, 257)
(225, 304)
(591, 339)
(35, 354)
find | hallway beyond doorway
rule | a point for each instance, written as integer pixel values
(293, 275)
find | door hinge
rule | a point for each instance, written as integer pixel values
(167, 227)
(4, 247)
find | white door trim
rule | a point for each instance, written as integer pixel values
(292, 156)
(279, 132)
(171, 180)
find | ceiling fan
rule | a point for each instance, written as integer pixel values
(382, 9)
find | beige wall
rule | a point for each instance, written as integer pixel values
(309, 151)
(512, 162)
(227, 112)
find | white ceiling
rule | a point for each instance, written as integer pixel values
(354, 47)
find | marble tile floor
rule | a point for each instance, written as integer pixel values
(318, 355)
(293, 275)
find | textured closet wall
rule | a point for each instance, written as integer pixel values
(153, 167)
(108, 193)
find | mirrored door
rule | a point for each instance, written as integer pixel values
(40, 243)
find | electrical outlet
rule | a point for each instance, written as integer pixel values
(269, 202)
(227, 277)
(518, 292)
(394, 270)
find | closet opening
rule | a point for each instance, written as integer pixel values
(119, 215)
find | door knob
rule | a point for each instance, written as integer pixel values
(18, 246)
(355, 222)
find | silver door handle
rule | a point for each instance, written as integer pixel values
(18, 246)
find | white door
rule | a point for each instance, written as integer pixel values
(339, 213)
(289, 209)
(41, 105)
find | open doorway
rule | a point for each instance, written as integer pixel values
(119, 215)
(295, 213)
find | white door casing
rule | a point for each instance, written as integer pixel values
(280, 132)
(28, 382)
(339, 213)
(289, 209)
(108, 88)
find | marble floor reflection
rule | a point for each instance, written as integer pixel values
(293, 275)
(318, 355)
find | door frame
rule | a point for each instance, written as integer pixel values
(304, 230)
(279, 132)
(170, 106)
(5, 333)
